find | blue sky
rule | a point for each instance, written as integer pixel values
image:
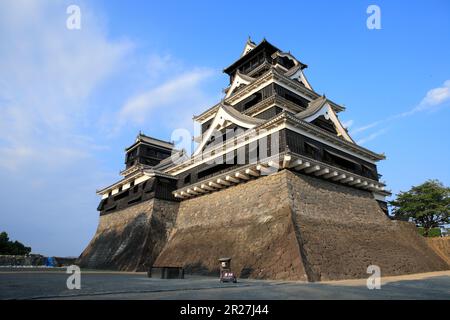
(72, 100)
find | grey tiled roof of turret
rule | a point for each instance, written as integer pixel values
(312, 108)
(144, 138)
(244, 76)
(293, 70)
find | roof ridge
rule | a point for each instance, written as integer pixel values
(235, 113)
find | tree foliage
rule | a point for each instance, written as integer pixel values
(428, 205)
(10, 247)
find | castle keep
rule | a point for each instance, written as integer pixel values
(276, 183)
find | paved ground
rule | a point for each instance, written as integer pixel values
(46, 284)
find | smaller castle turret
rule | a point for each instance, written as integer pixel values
(147, 151)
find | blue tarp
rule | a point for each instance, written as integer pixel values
(50, 262)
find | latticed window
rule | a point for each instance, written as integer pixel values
(311, 150)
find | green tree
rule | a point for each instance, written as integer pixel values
(4, 240)
(13, 248)
(427, 204)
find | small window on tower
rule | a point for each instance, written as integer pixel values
(368, 172)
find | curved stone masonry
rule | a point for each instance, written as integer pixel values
(294, 227)
(283, 226)
(130, 239)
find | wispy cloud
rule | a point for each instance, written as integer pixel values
(436, 96)
(48, 166)
(54, 86)
(175, 91)
(433, 100)
(347, 124)
(366, 127)
(47, 75)
(371, 136)
(162, 65)
(174, 100)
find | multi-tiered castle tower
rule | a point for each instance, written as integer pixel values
(276, 182)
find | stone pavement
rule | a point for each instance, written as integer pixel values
(44, 284)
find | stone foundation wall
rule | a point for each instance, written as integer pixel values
(288, 226)
(130, 239)
(283, 226)
(342, 230)
(441, 246)
(249, 222)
